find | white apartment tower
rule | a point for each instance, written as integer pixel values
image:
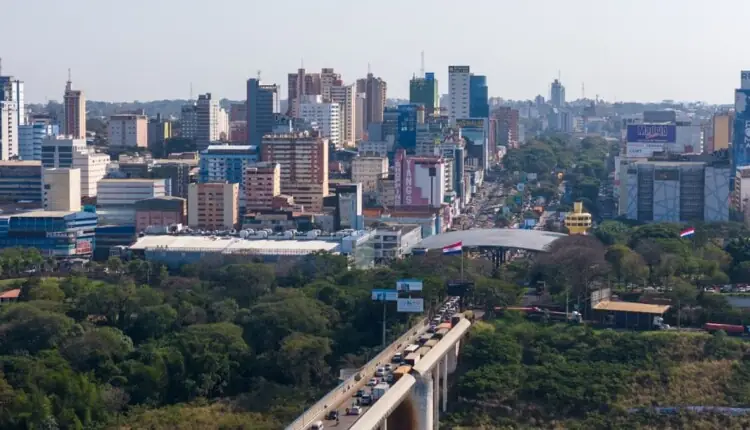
(346, 97)
(8, 130)
(207, 121)
(73, 153)
(459, 78)
(327, 116)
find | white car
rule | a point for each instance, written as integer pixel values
(372, 382)
(379, 373)
(355, 410)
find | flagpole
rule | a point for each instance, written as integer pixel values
(462, 264)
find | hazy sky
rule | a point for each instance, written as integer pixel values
(145, 50)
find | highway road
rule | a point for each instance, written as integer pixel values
(346, 421)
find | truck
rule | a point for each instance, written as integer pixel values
(401, 371)
(379, 390)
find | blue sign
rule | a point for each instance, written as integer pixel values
(741, 139)
(385, 295)
(665, 133)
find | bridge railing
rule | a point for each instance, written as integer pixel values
(350, 386)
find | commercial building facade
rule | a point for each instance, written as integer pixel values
(21, 181)
(346, 97)
(459, 90)
(207, 120)
(479, 106)
(115, 201)
(30, 138)
(73, 153)
(8, 130)
(59, 234)
(213, 206)
(304, 166)
(128, 131)
(419, 181)
(261, 105)
(424, 91)
(375, 90)
(327, 117)
(74, 104)
(227, 163)
(262, 183)
(368, 171)
(665, 191)
(62, 189)
(160, 212)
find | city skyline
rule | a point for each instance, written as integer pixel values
(578, 39)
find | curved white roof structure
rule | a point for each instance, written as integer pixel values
(531, 240)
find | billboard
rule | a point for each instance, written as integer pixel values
(643, 149)
(408, 285)
(666, 133)
(385, 295)
(397, 176)
(410, 305)
(409, 182)
(741, 139)
(83, 247)
(470, 123)
(459, 69)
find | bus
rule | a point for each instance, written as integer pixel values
(424, 338)
(411, 348)
(431, 343)
(423, 350)
(401, 371)
(441, 333)
(412, 359)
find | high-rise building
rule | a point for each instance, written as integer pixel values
(8, 130)
(227, 163)
(261, 105)
(160, 212)
(74, 103)
(346, 97)
(424, 91)
(479, 106)
(262, 184)
(301, 84)
(60, 152)
(722, 131)
(177, 172)
(328, 79)
(375, 90)
(459, 91)
(189, 121)
(207, 121)
(557, 94)
(507, 123)
(303, 158)
(12, 90)
(213, 206)
(159, 130)
(128, 131)
(223, 125)
(325, 115)
(62, 189)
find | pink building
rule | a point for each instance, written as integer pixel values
(419, 181)
(262, 184)
(160, 212)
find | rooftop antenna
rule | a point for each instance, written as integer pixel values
(69, 83)
(421, 69)
(583, 91)
(191, 92)
(258, 75)
(369, 69)
(559, 76)
(302, 63)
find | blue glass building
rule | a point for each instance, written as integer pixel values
(30, 139)
(227, 163)
(741, 139)
(479, 101)
(407, 127)
(54, 233)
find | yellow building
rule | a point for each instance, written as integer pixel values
(578, 221)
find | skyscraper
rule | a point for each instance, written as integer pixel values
(425, 91)
(261, 105)
(11, 90)
(328, 79)
(459, 88)
(74, 104)
(375, 90)
(207, 121)
(346, 97)
(479, 106)
(301, 84)
(557, 94)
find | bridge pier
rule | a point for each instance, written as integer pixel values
(444, 372)
(436, 397)
(453, 358)
(424, 399)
